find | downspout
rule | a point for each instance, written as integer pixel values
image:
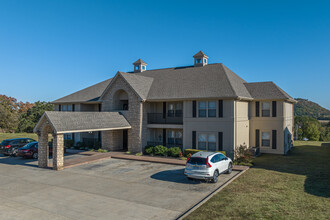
(235, 128)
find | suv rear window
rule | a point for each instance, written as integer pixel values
(197, 160)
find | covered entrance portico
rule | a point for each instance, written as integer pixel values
(60, 123)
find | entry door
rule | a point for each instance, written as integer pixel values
(125, 140)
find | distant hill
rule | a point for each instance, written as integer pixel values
(305, 107)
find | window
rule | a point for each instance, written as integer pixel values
(170, 111)
(212, 142)
(69, 108)
(136, 67)
(174, 137)
(198, 60)
(212, 109)
(207, 142)
(215, 158)
(64, 108)
(67, 136)
(174, 109)
(178, 109)
(202, 142)
(222, 157)
(205, 61)
(144, 67)
(265, 139)
(201, 109)
(265, 108)
(207, 109)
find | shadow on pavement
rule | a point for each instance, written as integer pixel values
(176, 176)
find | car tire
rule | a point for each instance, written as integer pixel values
(35, 156)
(230, 168)
(14, 152)
(215, 176)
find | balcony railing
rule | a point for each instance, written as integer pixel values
(158, 118)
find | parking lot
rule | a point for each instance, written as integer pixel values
(108, 189)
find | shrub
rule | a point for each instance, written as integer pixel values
(243, 156)
(79, 145)
(160, 150)
(193, 151)
(149, 150)
(68, 143)
(128, 152)
(102, 151)
(174, 152)
(139, 154)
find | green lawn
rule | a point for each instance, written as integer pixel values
(4, 136)
(296, 186)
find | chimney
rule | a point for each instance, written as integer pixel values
(139, 66)
(200, 59)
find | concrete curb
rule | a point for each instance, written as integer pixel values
(209, 196)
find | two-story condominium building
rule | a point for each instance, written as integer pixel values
(203, 106)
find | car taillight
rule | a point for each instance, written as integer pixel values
(7, 146)
(187, 160)
(207, 162)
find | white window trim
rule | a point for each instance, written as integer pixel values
(207, 108)
(207, 139)
(270, 109)
(270, 138)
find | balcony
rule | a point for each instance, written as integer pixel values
(158, 118)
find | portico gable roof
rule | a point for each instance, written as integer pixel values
(72, 122)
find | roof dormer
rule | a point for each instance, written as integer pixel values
(139, 66)
(200, 59)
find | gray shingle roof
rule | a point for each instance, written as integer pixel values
(140, 84)
(200, 54)
(88, 94)
(69, 122)
(210, 81)
(139, 62)
(266, 90)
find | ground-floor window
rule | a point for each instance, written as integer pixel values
(67, 136)
(174, 137)
(207, 142)
(265, 139)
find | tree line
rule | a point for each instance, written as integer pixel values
(20, 116)
(312, 129)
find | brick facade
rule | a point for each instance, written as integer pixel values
(134, 115)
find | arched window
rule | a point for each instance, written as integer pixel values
(120, 100)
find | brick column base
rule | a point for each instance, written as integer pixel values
(58, 152)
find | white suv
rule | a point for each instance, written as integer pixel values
(207, 165)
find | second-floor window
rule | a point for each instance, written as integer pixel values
(265, 109)
(207, 109)
(174, 109)
(66, 108)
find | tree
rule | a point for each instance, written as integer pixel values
(311, 131)
(29, 119)
(308, 127)
(8, 113)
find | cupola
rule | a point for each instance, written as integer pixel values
(200, 59)
(139, 66)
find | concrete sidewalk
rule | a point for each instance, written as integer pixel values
(91, 157)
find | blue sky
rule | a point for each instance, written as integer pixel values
(49, 49)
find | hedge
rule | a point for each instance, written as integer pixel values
(193, 151)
